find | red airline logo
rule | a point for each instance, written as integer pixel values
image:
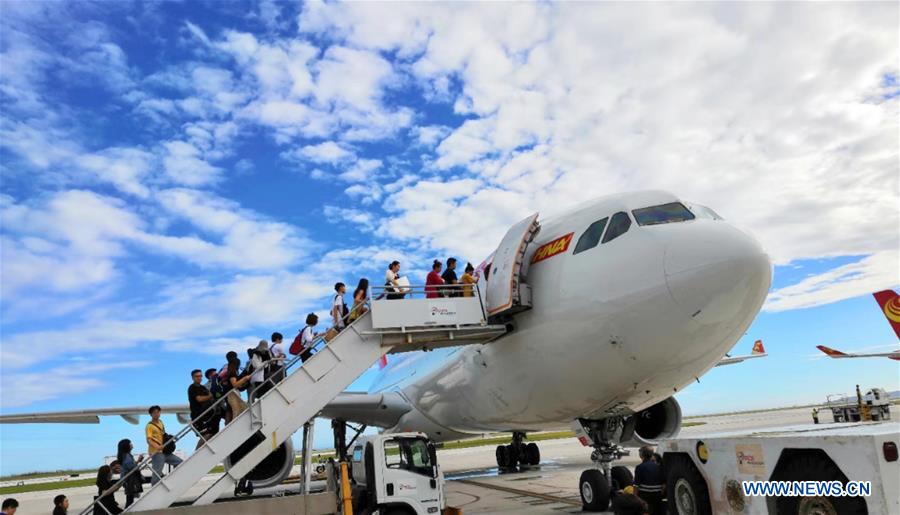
(550, 249)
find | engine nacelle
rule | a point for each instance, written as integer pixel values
(270, 471)
(660, 421)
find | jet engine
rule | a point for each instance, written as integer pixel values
(270, 471)
(660, 421)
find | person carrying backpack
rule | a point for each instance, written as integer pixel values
(303, 342)
(158, 445)
(339, 309)
(233, 381)
(259, 358)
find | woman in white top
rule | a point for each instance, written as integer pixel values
(258, 359)
(390, 279)
(308, 336)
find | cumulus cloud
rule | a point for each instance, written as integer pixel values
(24, 388)
(872, 273)
(440, 126)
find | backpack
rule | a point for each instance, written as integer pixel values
(217, 387)
(297, 344)
(169, 446)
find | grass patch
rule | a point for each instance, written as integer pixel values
(43, 487)
(39, 475)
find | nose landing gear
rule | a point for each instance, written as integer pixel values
(597, 485)
(517, 453)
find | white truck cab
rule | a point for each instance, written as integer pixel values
(396, 474)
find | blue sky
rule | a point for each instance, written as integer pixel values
(181, 179)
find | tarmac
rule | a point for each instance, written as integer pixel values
(476, 485)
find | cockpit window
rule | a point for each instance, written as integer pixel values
(704, 212)
(618, 225)
(591, 236)
(663, 214)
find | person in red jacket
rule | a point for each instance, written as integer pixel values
(434, 281)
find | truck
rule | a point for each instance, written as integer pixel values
(705, 474)
(397, 474)
(876, 403)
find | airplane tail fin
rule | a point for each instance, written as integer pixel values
(758, 348)
(830, 352)
(890, 305)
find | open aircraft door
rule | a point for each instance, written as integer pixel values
(505, 292)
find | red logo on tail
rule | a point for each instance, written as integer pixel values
(890, 305)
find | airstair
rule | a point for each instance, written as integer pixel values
(390, 326)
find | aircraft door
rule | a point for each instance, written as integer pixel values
(505, 292)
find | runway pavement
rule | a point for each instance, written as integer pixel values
(475, 484)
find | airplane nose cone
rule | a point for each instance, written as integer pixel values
(716, 273)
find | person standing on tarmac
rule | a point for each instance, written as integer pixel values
(60, 505)
(649, 481)
(815, 414)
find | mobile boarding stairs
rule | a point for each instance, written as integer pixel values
(390, 326)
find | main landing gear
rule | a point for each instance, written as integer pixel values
(518, 453)
(597, 485)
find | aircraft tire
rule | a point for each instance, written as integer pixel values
(532, 454)
(513, 458)
(502, 455)
(621, 477)
(594, 489)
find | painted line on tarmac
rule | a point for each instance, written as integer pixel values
(516, 491)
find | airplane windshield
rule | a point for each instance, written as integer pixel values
(704, 212)
(662, 214)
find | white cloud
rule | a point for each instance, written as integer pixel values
(871, 273)
(362, 171)
(185, 165)
(197, 32)
(326, 152)
(24, 388)
(703, 101)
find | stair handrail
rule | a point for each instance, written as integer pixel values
(189, 427)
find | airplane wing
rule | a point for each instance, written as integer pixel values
(92, 416)
(889, 303)
(379, 410)
(836, 354)
(758, 352)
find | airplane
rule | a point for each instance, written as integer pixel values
(634, 296)
(758, 351)
(889, 303)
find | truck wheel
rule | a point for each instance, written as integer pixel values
(810, 467)
(502, 456)
(686, 488)
(621, 477)
(594, 490)
(532, 454)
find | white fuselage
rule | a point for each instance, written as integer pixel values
(613, 329)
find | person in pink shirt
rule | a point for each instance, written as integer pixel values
(434, 281)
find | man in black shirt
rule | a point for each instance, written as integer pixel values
(649, 481)
(449, 277)
(199, 399)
